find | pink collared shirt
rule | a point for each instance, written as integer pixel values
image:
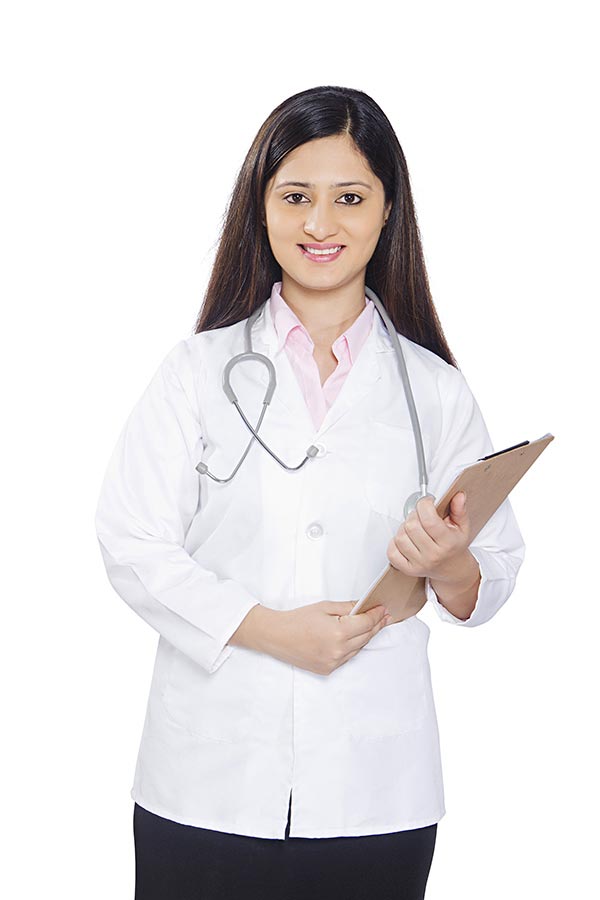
(299, 348)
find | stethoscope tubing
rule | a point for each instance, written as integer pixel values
(311, 452)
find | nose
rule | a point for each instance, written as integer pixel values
(321, 221)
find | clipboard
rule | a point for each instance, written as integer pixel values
(486, 483)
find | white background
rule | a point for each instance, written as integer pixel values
(124, 126)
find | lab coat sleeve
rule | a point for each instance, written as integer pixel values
(499, 547)
(148, 498)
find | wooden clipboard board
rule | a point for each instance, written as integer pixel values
(487, 483)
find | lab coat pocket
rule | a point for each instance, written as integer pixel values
(392, 471)
(385, 685)
(222, 706)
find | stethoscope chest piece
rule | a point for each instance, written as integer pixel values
(412, 501)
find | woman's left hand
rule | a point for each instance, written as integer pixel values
(426, 545)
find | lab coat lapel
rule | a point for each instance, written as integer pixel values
(288, 394)
(360, 381)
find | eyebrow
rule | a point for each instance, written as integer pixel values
(306, 184)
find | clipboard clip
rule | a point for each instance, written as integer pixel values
(498, 452)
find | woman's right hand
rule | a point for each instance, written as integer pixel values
(311, 637)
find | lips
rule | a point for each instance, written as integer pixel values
(321, 246)
(321, 257)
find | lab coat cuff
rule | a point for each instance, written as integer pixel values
(239, 604)
(491, 594)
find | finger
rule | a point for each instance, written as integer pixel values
(337, 607)
(356, 642)
(430, 519)
(363, 623)
(374, 615)
(343, 609)
(399, 558)
(404, 550)
(428, 530)
(443, 531)
(421, 540)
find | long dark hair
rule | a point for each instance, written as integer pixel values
(245, 269)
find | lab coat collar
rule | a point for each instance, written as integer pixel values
(360, 381)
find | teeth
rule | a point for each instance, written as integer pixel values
(322, 252)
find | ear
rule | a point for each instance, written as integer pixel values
(386, 211)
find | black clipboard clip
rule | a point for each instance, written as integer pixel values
(498, 452)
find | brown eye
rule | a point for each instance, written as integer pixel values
(359, 198)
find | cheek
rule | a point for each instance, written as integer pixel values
(284, 250)
(376, 234)
(281, 219)
(282, 233)
(368, 237)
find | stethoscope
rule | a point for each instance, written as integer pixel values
(312, 451)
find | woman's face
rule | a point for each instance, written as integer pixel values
(324, 194)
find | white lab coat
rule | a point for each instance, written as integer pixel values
(229, 732)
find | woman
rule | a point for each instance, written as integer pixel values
(290, 749)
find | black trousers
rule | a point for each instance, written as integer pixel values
(183, 862)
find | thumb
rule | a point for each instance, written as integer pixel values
(345, 607)
(458, 509)
(339, 607)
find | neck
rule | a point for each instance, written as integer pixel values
(326, 314)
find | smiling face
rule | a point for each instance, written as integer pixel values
(324, 195)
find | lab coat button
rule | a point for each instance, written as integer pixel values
(314, 531)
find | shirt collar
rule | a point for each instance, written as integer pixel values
(286, 321)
